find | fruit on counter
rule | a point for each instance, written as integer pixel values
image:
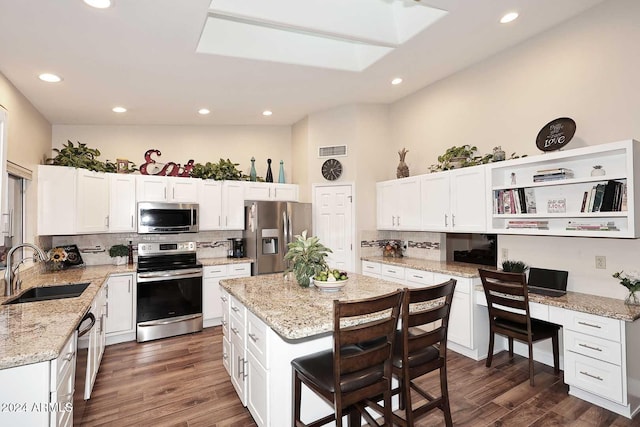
(331, 275)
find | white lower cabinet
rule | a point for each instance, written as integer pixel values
(238, 354)
(40, 394)
(120, 316)
(257, 370)
(212, 310)
(596, 366)
(467, 333)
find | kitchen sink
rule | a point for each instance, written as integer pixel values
(50, 292)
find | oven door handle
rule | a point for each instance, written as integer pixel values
(169, 321)
(159, 276)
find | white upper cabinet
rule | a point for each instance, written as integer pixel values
(270, 191)
(92, 203)
(398, 204)
(563, 199)
(122, 202)
(56, 200)
(210, 204)
(454, 200)
(233, 205)
(221, 205)
(153, 188)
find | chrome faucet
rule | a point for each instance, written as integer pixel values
(8, 272)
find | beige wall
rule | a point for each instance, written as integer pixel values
(179, 144)
(29, 141)
(586, 69)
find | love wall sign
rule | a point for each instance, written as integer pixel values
(556, 134)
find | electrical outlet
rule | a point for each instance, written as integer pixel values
(601, 262)
(505, 253)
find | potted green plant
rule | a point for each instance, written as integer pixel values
(514, 266)
(119, 253)
(80, 156)
(306, 257)
(223, 170)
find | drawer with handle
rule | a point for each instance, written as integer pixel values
(591, 324)
(598, 348)
(257, 339)
(594, 376)
(393, 273)
(418, 277)
(370, 268)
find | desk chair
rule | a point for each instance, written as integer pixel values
(348, 375)
(419, 351)
(508, 304)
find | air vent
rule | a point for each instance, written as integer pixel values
(333, 151)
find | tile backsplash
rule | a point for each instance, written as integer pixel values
(422, 245)
(94, 248)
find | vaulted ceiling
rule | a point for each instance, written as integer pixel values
(165, 59)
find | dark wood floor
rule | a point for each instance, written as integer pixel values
(181, 382)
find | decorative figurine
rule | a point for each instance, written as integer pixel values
(281, 174)
(403, 169)
(252, 173)
(269, 177)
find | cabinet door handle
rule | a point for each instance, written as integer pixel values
(219, 221)
(415, 276)
(591, 325)
(595, 377)
(590, 347)
(244, 369)
(453, 220)
(253, 337)
(275, 193)
(391, 271)
(106, 220)
(398, 221)
(107, 308)
(68, 357)
(235, 331)
(225, 356)
(223, 298)
(224, 323)
(173, 193)
(234, 308)
(131, 221)
(165, 193)
(446, 222)
(129, 286)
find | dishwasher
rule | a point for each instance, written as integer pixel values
(87, 324)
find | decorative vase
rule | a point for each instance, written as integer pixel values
(403, 169)
(252, 173)
(269, 177)
(598, 171)
(632, 299)
(457, 162)
(498, 154)
(281, 173)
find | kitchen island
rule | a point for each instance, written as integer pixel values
(269, 322)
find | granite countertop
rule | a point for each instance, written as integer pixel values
(460, 269)
(36, 331)
(294, 312)
(587, 303)
(209, 262)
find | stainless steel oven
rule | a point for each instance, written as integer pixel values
(169, 300)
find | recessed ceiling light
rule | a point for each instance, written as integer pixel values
(99, 4)
(396, 81)
(119, 110)
(511, 16)
(50, 78)
(203, 111)
(267, 113)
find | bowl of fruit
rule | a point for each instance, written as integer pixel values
(330, 280)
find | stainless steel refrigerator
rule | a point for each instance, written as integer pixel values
(268, 227)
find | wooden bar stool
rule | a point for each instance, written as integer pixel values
(421, 347)
(347, 376)
(508, 303)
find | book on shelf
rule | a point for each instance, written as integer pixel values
(592, 226)
(554, 170)
(534, 224)
(530, 200)
(585, 197)
(609, 197)
(597, 202)
(551, 177)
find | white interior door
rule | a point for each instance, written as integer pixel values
(333, 223)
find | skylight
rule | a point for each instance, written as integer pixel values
(338, 34)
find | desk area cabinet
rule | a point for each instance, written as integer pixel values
(600, 352)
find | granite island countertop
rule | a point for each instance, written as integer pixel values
(294, 312)
(460, 269)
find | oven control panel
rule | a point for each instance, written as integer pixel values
(161, 248)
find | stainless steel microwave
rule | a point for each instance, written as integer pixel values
(156, 218)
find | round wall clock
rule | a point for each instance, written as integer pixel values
(331, 169)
